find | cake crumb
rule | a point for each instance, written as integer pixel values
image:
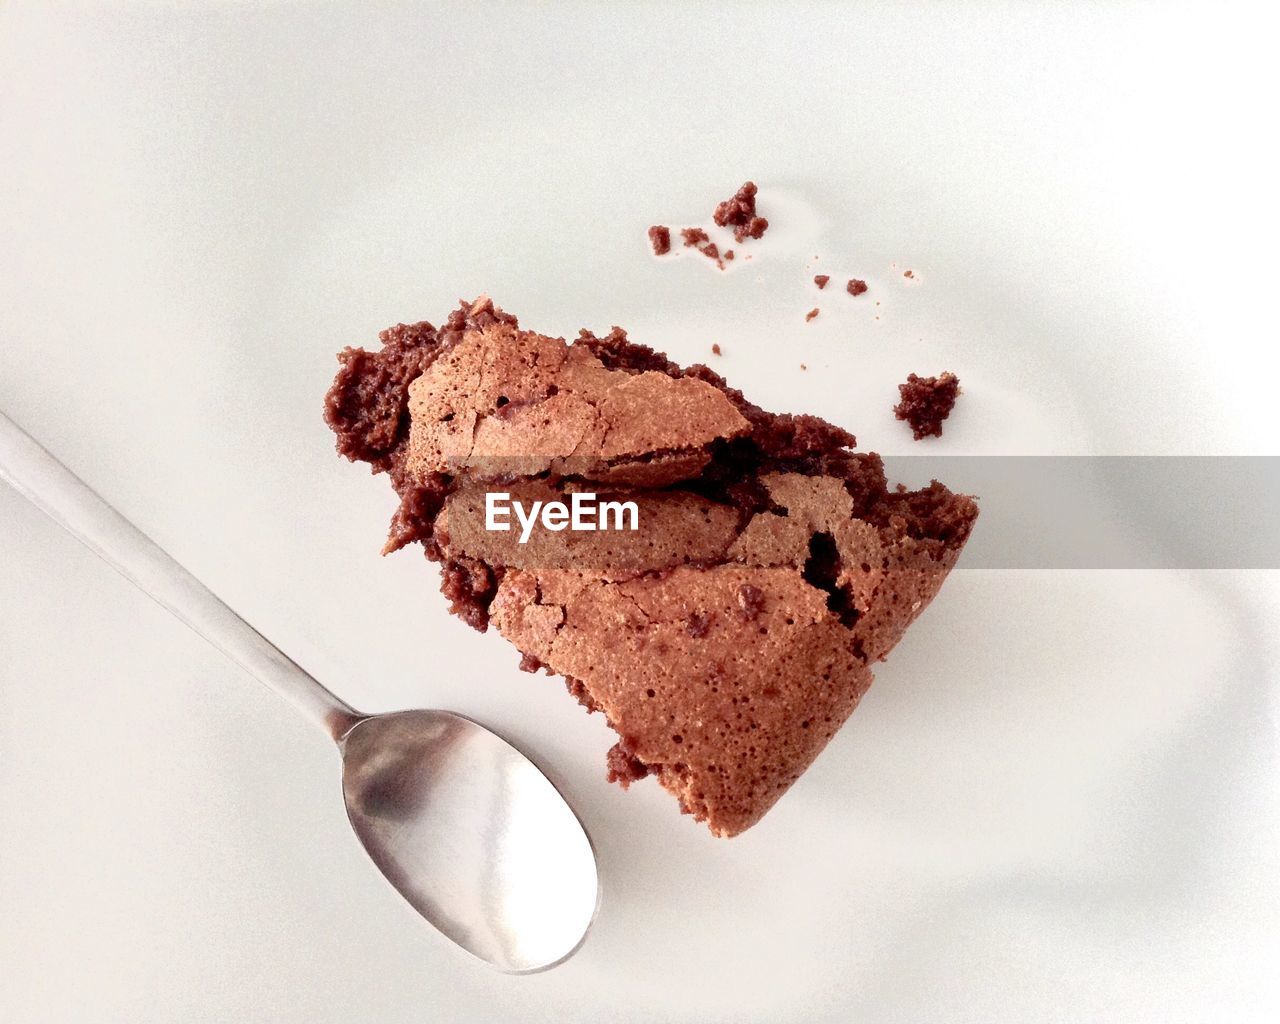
(855, 286)
(739, 213)
(909, 273)
(750, 602)
(700, 240)
(579, 692)
(699, 625)
(811, 314)
(715, 350)
(926, 402)
(804, 366)
(821, 280)
(660, 239)
(623, 766)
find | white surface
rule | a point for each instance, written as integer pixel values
(1058, 802)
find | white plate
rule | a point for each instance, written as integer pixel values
(1059, 800)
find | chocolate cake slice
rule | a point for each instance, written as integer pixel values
(730, 633)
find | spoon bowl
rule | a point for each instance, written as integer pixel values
(472, 834)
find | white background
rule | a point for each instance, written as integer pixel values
(1058, 802)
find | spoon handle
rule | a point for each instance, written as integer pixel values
(73, 505)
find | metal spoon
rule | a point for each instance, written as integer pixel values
(469, 831)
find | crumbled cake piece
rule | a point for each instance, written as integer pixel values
(715, 349)
(698, 239)
(624, 768)
(926, 402)
(730, 635)
(811, 314)
(821, 280)
(856, 286)
(739, 213)
(660, 239)
(530, 664)
(909, 273)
